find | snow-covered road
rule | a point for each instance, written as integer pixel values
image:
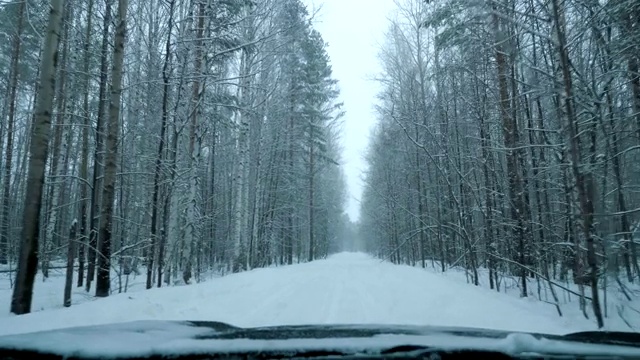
(347, 288)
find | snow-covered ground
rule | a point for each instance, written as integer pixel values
(347, 288)
(621, 314)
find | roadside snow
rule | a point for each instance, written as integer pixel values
(621, 314)
(347, 288)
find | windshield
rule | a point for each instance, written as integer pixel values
(453, 163)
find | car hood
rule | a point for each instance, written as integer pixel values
(176, 338)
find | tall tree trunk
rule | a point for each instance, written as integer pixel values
(311, 185)
(290, 212)
(28, 261)
(584, 179)
(510, 132)
(193, 217)
(103, 281)
(241, 248)
(55, 185)
(158, 167)
(422, 216)
(98, 153)
(6, 185)
(84, 167)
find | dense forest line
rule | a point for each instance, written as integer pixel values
(508, 141)
(172, 137)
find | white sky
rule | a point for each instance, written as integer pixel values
(354, 29)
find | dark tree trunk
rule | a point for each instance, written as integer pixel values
(159, 158)
(28, 261)
(103, 281)
(97, 158)
(68, 282)
(84, 171)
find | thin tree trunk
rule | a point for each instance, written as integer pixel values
(311, 185)
(68, 281)
(84, 167)
(97, 158)
(159, 158)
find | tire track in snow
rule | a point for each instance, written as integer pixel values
(276, 301)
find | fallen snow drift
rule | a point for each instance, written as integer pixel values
(347, 288)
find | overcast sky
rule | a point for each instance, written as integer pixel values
(354, 29)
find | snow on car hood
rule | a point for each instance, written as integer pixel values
(147, 338)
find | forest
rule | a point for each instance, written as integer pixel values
(508, 142)
(170, 138)
(178, 138)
